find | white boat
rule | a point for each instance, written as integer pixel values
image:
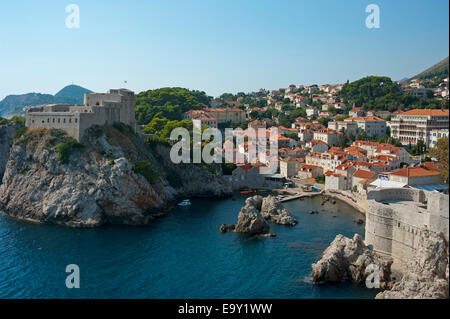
(185, 202)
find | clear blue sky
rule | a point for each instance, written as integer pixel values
(215, 46)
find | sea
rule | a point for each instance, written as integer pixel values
(179, 255)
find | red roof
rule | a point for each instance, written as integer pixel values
(413, 172)
(426, 112)
(363, 174)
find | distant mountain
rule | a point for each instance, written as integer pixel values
(439, 70)
(72, 92)
(15, 104)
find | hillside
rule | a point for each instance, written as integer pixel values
(439, 70)
(375, 92)
(15, 104)
(72, 92)
(381, 93)
(170, 103)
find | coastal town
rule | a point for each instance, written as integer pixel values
(388, 163)
(334, 146)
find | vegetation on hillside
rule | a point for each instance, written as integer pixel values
(439, 71)
(168, 103)
(441, 153)
(162, 127)
(145, 169)
(381, 93)
(64, 149)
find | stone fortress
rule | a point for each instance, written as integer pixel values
(396, 218)
(117, 105)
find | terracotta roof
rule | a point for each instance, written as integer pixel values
(363, 174)
(365, 118)
(427, 112)
(306, 167)
(329, 173)
(413, 172)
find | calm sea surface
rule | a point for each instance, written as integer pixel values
(181, 255)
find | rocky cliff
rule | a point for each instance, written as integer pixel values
(425, 276)
(348, 258)
(114, 176)
(7, 132)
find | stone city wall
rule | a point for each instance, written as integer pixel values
(394, 228)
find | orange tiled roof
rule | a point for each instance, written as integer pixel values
(427, 112)
(366, 118)
(363, 174)
(413, 172)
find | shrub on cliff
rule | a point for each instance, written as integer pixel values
(145, 169)
(20, 132)
(64, 150)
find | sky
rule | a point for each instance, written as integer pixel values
(215, 46)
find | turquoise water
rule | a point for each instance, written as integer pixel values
(181, 255)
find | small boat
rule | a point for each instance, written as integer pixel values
(248, 192)
(185, 202)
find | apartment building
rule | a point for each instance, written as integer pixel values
(372, 125)
(411, 126)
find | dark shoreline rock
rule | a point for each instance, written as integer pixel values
(226, 228)
(347, 258)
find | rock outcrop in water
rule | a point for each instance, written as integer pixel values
(349, 258)
(114, 177)
(426, 274)
(250, 220)
(273, 211)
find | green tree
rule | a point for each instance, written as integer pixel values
(441, 153)
(155, 126)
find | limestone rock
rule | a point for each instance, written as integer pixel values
(250, 220)
(98, 184)
(272, 210)
(426, 274)
(7, 132)
(349, 258)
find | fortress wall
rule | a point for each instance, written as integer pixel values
(438, 208)
(58, 120)
(395, 228)
(396, 194)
